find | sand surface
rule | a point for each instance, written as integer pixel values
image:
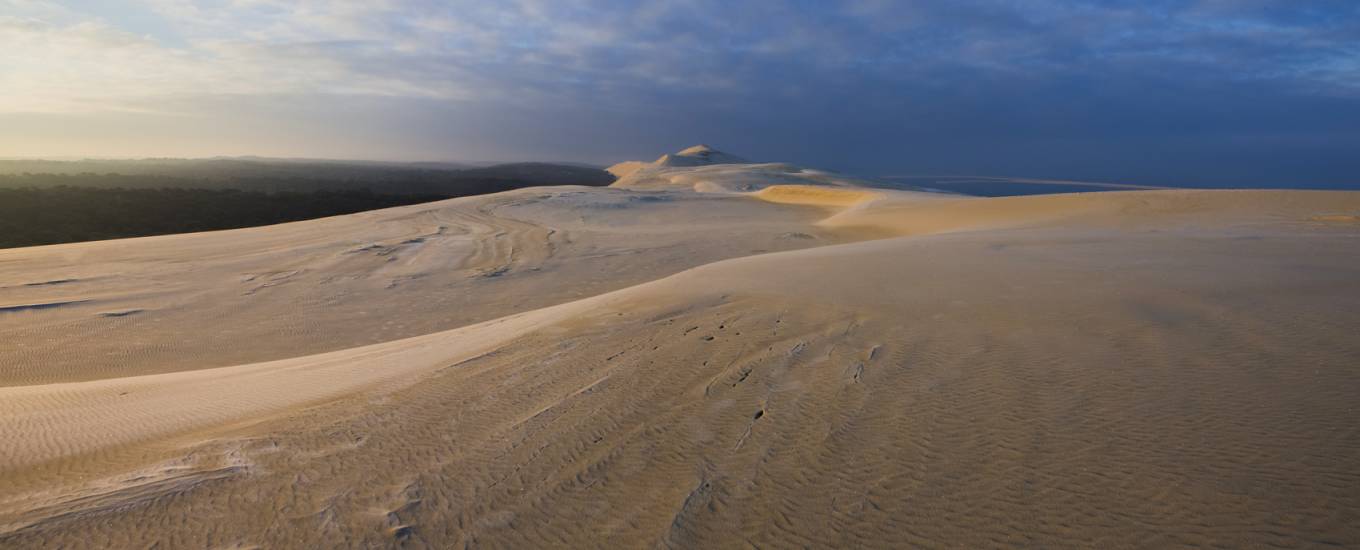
(712, 353)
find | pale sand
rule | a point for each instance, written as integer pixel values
(700, 357)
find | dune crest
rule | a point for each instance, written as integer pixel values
(698, 155)
(709, 353)
(702, 168)
(817, 195)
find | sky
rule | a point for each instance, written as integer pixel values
(1150, 91)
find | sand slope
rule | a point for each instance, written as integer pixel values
(164, 304)
(715, 355)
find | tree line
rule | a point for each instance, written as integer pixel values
(52, 214)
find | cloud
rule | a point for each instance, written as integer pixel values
(1045, 82)
(537, 49)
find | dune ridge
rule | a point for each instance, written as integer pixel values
(715, 354)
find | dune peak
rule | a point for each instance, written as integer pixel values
(699, 155)
(705, 169)
(703, 151)
(696, 156)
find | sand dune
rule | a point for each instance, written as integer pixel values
(701, 168)
(709, 354)
(234, 297)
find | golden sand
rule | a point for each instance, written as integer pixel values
(704, 356)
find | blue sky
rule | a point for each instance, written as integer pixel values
(1150, 91)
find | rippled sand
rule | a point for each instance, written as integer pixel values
(707, 355)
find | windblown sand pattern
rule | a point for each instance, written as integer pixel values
(710, 354)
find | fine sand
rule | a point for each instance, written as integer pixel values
(712, 353)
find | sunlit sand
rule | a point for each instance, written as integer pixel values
(710, 353)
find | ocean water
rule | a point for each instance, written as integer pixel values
(1008, 187)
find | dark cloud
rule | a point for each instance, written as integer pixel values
(1158, 91)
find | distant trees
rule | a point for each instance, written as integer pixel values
(275, 175)
(32, 216)
(49, 202)
(431, 185)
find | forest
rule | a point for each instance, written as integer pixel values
(31, 216)
(51, 202)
